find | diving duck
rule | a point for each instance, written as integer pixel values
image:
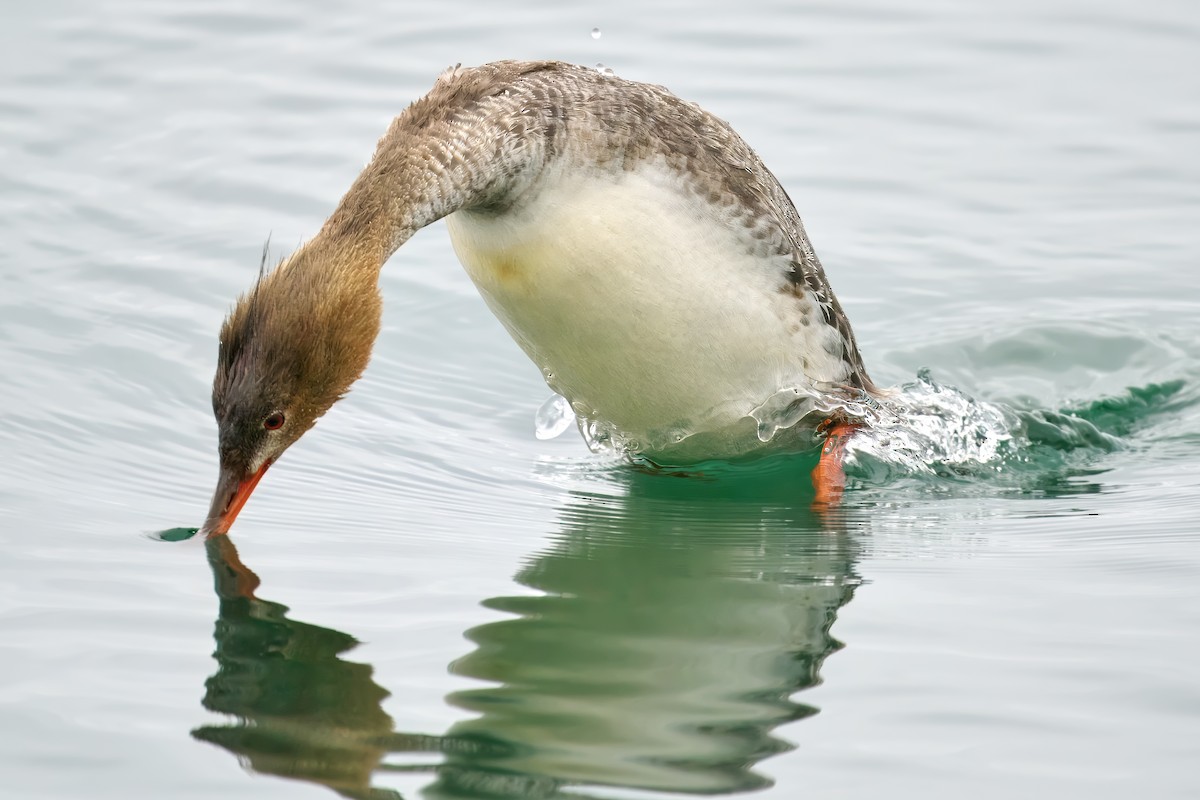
(633, 245)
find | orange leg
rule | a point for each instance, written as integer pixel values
(829, 480)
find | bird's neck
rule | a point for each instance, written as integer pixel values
(452, 150)
(435, 159)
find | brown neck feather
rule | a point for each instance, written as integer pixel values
(469, 143)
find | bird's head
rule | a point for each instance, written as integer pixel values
(289, 350)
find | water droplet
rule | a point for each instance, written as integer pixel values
(595, 33)
(603, 70)
(552, 418)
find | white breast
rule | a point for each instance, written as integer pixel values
(643, 306)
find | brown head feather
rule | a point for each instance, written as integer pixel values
(294, 343)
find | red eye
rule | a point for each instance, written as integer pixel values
(274, 421)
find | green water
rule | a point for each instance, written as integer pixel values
(424, 600)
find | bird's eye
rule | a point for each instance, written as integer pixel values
(274, 421)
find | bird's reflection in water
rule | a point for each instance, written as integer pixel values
(303, 712)
(664, 647)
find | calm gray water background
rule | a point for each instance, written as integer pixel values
(1005, 192)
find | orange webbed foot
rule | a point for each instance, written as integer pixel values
(829, 479)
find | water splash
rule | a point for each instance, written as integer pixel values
(604, 438)
(783, 423)
(921, 429)
(553, 418)
(786, 408)
(605, 71)
(933, 429)
(939, 432)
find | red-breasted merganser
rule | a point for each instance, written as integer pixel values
(633, 245)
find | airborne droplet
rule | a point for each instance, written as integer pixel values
(552, 418)
(595, 33)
